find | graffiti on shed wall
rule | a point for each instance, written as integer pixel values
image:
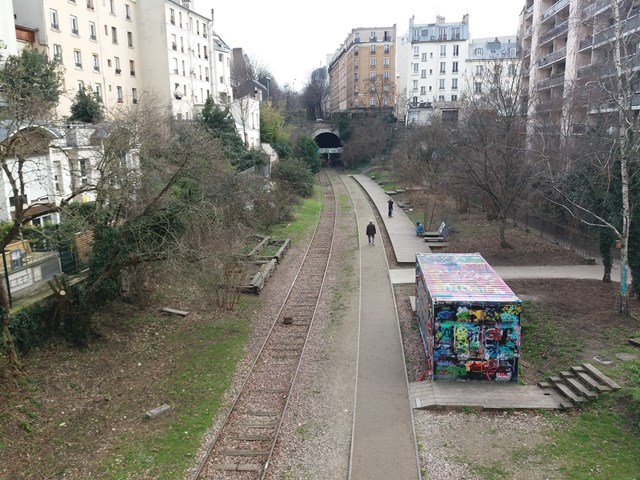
(475, 342)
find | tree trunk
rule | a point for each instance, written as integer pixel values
(503, 238)
(13, 366)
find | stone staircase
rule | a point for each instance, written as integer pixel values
(578, 385)
(367, 169)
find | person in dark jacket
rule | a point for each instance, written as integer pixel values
(390, 202)
(371, 233)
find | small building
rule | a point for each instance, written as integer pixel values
(469, 318)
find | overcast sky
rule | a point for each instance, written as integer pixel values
(293, 37)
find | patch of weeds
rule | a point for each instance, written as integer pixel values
(467, 410)
(493, 472)
(304, 431)
(305, 214)
(26, 426)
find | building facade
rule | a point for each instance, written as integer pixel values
(433, 58)
(99, 46)
(8, 41)
(362, 72)
(567, 56)
(485, 55)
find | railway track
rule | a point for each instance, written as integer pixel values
(244, 445)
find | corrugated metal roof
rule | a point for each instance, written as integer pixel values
(463, 277)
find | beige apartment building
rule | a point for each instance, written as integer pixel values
(96, 43)
(566, 48)
(123, 49)
(362, 72)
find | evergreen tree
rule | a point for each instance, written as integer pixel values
(86, 107)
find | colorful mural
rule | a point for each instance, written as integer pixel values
(469, 318)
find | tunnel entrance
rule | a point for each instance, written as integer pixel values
(330, 147)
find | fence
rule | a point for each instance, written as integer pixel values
(573, 237)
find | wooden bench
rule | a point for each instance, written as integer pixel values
(439, 235)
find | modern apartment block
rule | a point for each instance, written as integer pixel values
(95, 41)
(566, 50)
(433, 61)
(100, 44)
(8, 41)
(362, 72)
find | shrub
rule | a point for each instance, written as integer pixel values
(296, 175)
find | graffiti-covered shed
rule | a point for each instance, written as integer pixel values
(469, 318)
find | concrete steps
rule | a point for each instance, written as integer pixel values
(578, 385)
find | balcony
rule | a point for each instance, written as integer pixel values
(93, 37)
(55, 26)
(118, 71)
(554, 32)
(555, 8)
(133, 73)
(585, 43)
(552, 57)
(386, 38)
(175, 71)
(174, 46)
(528, 31)
(629, 25)
(528, 12)
(551, 82)
(373, 39)
(135, 101)
(594, 9)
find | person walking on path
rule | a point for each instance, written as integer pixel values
(390, 202)
(371, 233)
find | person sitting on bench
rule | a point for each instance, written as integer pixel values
(419, 229)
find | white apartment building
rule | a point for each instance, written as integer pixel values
(177, 60)
(8, 42)
(246, 115)
(484, 55)
(221, 68)
(434, 61)
(96, 43)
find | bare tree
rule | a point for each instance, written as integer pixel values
(490, 161)
(315, 93)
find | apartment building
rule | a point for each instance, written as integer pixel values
(362, 72)
(95, 41)
(177, 63)
(433, 60)
(8, 41)
(221, 68)
(485, 57)
(567, 51)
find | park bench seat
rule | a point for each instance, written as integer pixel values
(438, 236)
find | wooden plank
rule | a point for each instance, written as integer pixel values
(412, 301)
(243, 453)
(545, 385)
(257, 413)
(577, 385)
(635, 342)
(249, 467)
(601, 376)
(585, 377)
(251, 438)
(173, 311)
(566, 391)
(230, 467)
(438, 244)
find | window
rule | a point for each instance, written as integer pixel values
(479, 70)
(206, 75)
(442, 31)
(454, 98)
(355, 64)
(355, 50)
(414, 101)
(57, 53)
(182, 44)
(80, 85)
(90, 4)
(415, 68)
(385, 75)
(415, 85)
(112, 7)
(511, 70)
(220, 57)
(204, 34)
(424, 32)
(200, 72)
(372, 87)
(53, 17)
(454, 67)
(441, 84)
(355, 76)
(74, 25)
(386, 101)
(206, 54)
(98, 91)
(455, 33)
(454, 84)
(443, 50)
(114, 35)
(423, 90)
(184, 70)
(119, 94)
(93, 34)
(372, 61)
(175, 66)
(174, 42)
(443, 67)
(477, 87)
(96, 62)
(373, 49)
(385, 88)
(386, 61)
(132, 68)
(416, 51)
(355, 103)
(77, 58)
(478, 52)
(386, 48)
(127, 11)
(423, 74)
(12, 200)
(130, 39)
(372, 75)
(441, 98)
(372, 102)
(117, 65)
(424, 57)
(199, 54)
(456, 50)
(172, 16)
(180, 19)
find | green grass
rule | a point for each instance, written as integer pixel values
(494, 472)
(595, 444)
(305, 215)
(194, 391)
